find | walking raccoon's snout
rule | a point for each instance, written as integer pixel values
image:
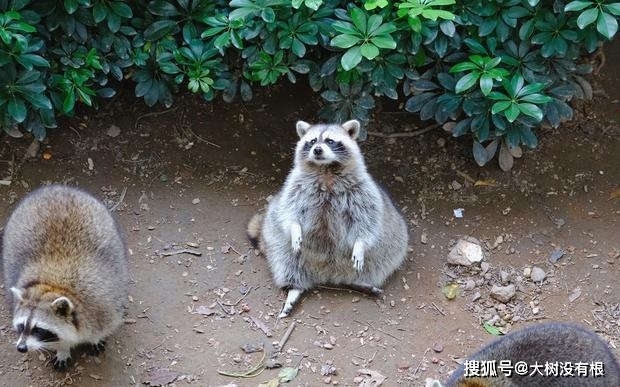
(42, 321)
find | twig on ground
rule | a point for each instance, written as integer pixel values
(420, 363)
(261, 326)
(182, 251)
(405, 134)
(120, 200)
(252, 372)
(239, 300)
(202, 139)
(439, 310)
(153, 114)
(286, 336)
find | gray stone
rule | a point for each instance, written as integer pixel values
(538, 274)
(503, 293)
(466, 252)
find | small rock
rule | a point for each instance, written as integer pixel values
(527, 272)
(470, 285)
(503, 293)
(466, 252)
(556, 255)
(538, 274)
(328, 369)
(403, 366)
(485, 267)
(423, 238)
(195, 201)
(456, 185)
(328, 346)
(437, 347)
(504, 276)
(441, 142)
(476, 296)
(113, 131)
(535, 310)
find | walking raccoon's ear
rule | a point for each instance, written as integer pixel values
(302, 128)
(353, 128)
(17, 293)
(62, 306)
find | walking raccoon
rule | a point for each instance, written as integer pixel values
(553, 343)
(66, 266)
(330, 223)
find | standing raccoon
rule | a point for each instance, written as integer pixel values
(330, 224)
(539, 344)
(65, 263)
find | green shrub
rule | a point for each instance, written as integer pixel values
(494, 69)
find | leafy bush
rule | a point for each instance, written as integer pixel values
(495, 69)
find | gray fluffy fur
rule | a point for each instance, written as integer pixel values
(550, 342)
(336, 203)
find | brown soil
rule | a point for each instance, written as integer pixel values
(197, 173)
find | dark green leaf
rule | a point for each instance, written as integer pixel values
(480, 154)
(351, 58)
(162, 8)
(100, 11)
(606, 25)
(121, 9)
(587, 17)
(17, 109)
(384, 41)
(531, 110)
(369, 51)
(71, 6)
(486, 84)
(577, 5)
(345, 41)
(159, 29)
(467, 82)
(512, 112)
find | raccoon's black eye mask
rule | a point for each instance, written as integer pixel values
(44, 335)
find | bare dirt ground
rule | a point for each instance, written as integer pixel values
(192, 176)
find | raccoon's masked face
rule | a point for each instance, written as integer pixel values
(43, 323)
(322, 145)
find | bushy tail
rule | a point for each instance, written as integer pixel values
(254, 228)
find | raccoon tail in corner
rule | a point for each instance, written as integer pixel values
(254, 227)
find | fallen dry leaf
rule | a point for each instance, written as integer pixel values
(485, 183)
(615, 194)
(204, 310)
(160, 377)
(373, 378)
(275, 382)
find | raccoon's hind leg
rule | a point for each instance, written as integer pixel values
(291, 300)
(365, 288)
(62, 360)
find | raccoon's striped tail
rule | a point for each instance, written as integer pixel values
(254, 228)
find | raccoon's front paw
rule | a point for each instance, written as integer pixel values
(62, 361)
(96, 349)
(358, 256)
(358, 262)
(296, 237)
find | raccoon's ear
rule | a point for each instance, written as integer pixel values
(352, 127)
(302, 127)
(62, 306)
(18, 293)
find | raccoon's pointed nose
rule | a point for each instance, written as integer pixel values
(21, 347)
(318, 151)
